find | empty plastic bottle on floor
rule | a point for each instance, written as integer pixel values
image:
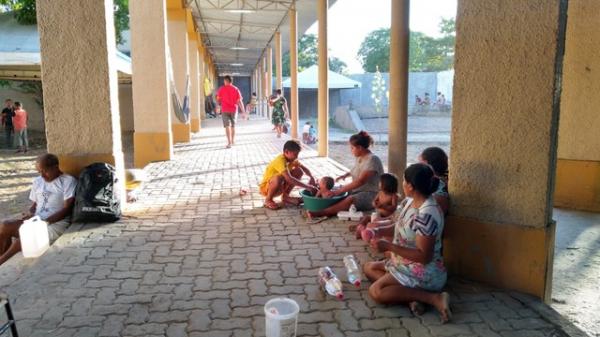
(352, 270)
(330, 282)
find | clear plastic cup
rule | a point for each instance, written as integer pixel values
(281, 315)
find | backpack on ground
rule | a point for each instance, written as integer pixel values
(96, 198)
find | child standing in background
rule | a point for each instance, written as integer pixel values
(20, 125)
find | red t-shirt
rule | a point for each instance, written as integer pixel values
(228, 96)
(20, 120)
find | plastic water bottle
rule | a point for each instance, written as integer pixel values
(330, 282)
(352, 209)
(352, 270)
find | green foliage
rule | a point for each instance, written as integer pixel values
(375, 51)
(24, 12)
(27, 87)
(121, 19)
(337, 65)
(308, 55)
(426, 53)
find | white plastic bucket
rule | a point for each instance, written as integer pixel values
(281, 316)
(33, 235)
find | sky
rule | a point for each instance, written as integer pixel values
(350, 21)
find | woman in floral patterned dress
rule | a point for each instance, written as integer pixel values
(280, 112)
(415, 272)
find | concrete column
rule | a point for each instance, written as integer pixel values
(294, 71)
(278, 74)
(503, 151)
(178, 43)
(398, 104)
(270, 70)
(266, 93)
(81, 105)
(323, 109)
(260, 94)
(194, 85)
(578, 166)
(201, 72)
(152, 138)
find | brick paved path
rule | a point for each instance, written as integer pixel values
(193, 258)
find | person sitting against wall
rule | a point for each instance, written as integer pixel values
(438, 160)
(414, 273)
(53, 196)
(365, 180)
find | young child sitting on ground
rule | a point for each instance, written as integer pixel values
(385, 204)
(284, 173)
(325, 185)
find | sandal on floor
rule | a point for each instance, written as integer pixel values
(417, 308)
(271, 205)
(316, 220)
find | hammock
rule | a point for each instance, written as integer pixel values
(181, 109)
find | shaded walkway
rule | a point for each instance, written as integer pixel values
(193, 258)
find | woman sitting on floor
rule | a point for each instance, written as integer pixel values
(365, 180)
(415, 272)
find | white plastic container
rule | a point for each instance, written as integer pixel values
(347, 215)
(281, 316)
(33, 234)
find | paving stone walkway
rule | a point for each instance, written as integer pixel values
(194, 258)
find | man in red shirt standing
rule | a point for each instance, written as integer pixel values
(230, 98)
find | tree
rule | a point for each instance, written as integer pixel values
(24, 12)
(337, 65)
(375, 51)
(308, 55)
(426, 53)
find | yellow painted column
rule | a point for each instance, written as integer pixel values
(267, 94)
(152, 138)
(293, 16)
(260, 93)
(278, 65)
(502, 160)
(178, 43)
(194, 85)
(81, 106)
(398, 101)
(270, 70)
(323, 109)
(201, 71)
(578, 166)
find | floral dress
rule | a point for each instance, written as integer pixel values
(278, 116)
(427, 220)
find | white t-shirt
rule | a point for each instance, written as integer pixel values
(50, 196)
(306, 128)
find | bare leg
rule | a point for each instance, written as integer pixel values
(228, 134)
(8, 230)
(387, 290)
(374, 270)
(363, 221)
(296, 174)
(14, 248)
(275, 188)
(8, 247)
(232, 135)
(343, 205)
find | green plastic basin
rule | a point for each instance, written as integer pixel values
(316, 204)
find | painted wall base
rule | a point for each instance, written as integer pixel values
(506, 256)
(577, 185)
(150, 147)
(181, 133)
(195, 125)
